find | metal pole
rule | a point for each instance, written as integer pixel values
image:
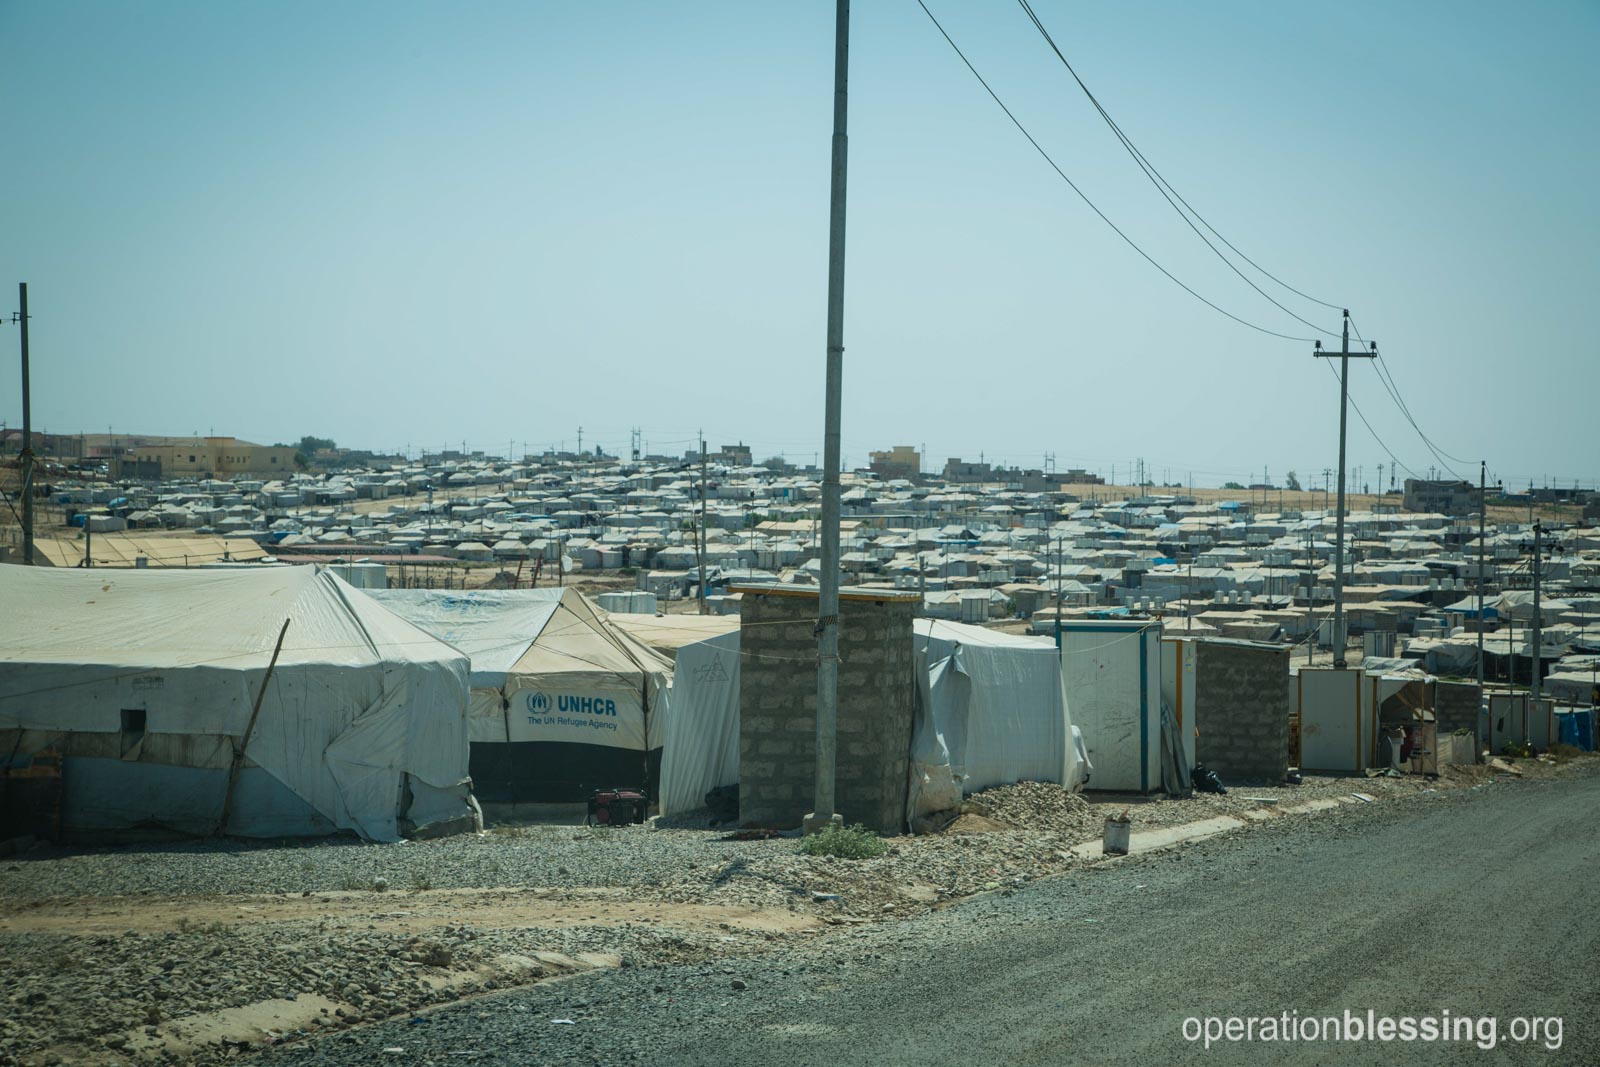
(702, 552)
(1536, 645)
(1483, 512)
(1058, 598)
(27, 434)
(822, 813)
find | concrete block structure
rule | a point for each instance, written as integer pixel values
(778, 702)
(1456, 707)
(1241, 709)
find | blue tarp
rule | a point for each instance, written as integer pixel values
(1576, 728)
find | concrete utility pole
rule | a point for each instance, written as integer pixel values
(1344, 355)
(27, 431)
(822, 814)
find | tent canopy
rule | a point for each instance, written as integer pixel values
(137, 674)
(549, 668)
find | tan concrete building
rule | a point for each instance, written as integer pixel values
(901, 461)
(206, 457)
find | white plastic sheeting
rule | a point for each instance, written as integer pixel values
(701, 742)
(135, 675)
(992, 711)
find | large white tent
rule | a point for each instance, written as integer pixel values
(154, 688)
(563, 701)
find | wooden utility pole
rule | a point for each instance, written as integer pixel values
(1344, 355)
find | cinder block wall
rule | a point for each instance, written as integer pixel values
(1455, 707)
(1242, 710)
(778, 703)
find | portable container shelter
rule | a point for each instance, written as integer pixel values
(1338, 728)
(173, 706)
(1111, 672)
(563, 701)
(1508, 719)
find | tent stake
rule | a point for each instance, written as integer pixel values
(250, 728)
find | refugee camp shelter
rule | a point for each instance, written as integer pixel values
(563, 701)
(173, 707)
(992, 710)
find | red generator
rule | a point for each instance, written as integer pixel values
(616, 807)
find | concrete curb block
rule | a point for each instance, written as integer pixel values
(1169, 836)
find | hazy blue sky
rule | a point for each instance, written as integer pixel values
(416, 223)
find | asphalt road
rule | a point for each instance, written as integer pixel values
(1479, 903)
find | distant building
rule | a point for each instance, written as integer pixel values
(733, 455)
(901, 461)
(205, 457)
(1591, 508)
(1079, 476)
(1441, 497)
(957, 469)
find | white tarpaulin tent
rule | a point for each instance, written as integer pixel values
(145, 682)
(992, 711)
(700, 750)
(563, 701)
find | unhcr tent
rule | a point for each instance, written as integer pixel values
(154, 688)
(563, 701)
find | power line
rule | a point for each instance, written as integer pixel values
(1386, 378)
(1082, 196)
(1167, 192)
(1371, 431)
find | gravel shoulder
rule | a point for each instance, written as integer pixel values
(198, 952)
(1407, 908)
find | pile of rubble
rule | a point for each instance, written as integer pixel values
(1038, 806)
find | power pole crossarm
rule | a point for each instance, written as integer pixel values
(1344, 355)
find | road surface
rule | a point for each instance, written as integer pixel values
(1481, 903)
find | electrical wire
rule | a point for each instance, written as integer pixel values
(1386, 376)
(1084, 197)
(1167, 192)
(1368, 425)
